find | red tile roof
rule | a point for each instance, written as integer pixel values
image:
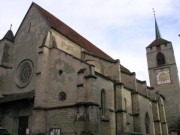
(61, 27)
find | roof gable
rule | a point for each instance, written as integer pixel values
(68, 32)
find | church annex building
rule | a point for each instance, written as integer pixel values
(53, 81)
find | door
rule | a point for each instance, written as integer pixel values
(23, 125)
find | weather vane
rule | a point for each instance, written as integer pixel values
(10, 26)
(154, 12)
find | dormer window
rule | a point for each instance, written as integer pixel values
(160, 59)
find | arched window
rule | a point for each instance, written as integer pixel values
(147, 123)
(103, 101)
(160, 59)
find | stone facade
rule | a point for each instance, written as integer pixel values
(60, 83)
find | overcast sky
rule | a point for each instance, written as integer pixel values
(121, 28)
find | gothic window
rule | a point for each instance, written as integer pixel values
(160, 59)
(147, 123)
(103, 101)
(24, 73)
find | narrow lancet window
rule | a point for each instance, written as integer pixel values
(103, 101)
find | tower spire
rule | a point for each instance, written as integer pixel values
(158, 34)
(9, 35)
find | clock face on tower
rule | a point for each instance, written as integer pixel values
(163, 77)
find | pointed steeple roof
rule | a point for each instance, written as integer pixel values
(158, 34)
(9, 35)
(159, 40)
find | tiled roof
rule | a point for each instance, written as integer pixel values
(68, 32)
(9, 35)
(158, 41)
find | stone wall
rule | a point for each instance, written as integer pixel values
(28, 39)
(66, 45)
(129, 80)
(146, 108)
(104, 66)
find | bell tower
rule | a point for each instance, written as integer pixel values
(163, 74)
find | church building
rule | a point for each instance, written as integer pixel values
(53, 81)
